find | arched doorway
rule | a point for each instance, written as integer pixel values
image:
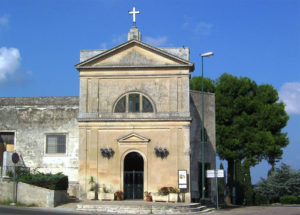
(133, 176)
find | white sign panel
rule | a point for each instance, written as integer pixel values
(210, 173)
(182, 179)
(220, 173)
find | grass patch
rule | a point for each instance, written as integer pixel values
(17, 204)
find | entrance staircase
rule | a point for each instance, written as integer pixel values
(142, 207)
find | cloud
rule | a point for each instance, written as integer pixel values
(203, 28)
(103, 45)
(156, 41)
(9, 61)
(4, 20)
(117, 39)
(289, 93)
(199, 28)
(187, 21)
(11, 75)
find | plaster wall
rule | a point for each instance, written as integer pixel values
(195, 139)
(170, 95)
(32, 119)
(158, 172)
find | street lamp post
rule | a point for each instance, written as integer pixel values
(207, 54)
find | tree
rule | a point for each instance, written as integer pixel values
(209, 84)
(282, 181)
(239, 182)
(221, 186)
(249, 119)
(248, 188)
(243, 185)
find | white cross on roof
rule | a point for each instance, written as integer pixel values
(133, 12)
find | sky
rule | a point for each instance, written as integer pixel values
(40, 43)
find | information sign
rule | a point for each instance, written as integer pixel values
(210, 173)
(182, 179)
(220, 173)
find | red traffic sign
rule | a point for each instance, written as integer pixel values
(15, 158)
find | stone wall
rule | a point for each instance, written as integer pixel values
(32, 119)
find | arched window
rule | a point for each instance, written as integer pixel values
(134, 103)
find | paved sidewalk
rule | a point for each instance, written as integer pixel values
(73, 205)
(253, 210)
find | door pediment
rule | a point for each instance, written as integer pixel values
(133, 138)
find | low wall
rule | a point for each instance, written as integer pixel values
(73, 189)
(6, 190)
(29, 194)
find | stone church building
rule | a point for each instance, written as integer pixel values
(134, 127)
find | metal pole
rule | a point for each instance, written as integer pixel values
(216, 175)
(202, 137)
(14, 185)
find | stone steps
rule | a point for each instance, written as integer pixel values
(142, 208)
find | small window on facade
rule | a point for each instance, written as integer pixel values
(147, 106)
(55, 144)
(7, 137)
(7, 140)
(134, 103)
(121, 105)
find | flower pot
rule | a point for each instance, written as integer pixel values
(149, 199)
(173, 197)
(91, 195)
(158, 198)
(106, 196)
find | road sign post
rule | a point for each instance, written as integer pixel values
(15, 159)
(215, 173)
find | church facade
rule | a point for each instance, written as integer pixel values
(135, 126)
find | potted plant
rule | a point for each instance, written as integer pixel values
(148, 196)
(167, 194)
(162, 196)
(173, 194)
(93, 191)
(106, 194)
(119, 195)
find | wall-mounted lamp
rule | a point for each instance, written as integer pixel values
(161, 152)
(107, 152)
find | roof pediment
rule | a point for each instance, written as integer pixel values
(134, 54)
(133, 138)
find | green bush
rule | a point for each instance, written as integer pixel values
(260, 199)
(166, 190)
(50, 181)
(289, 199)
(163, 191)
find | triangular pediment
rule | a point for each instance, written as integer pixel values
(133, 138)
(133, 54)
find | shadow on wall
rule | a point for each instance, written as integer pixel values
(210, 144)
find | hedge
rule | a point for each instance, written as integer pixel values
(50, 181)
(289, 199)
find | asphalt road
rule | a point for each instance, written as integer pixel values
(36, 211)
(259, 210)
